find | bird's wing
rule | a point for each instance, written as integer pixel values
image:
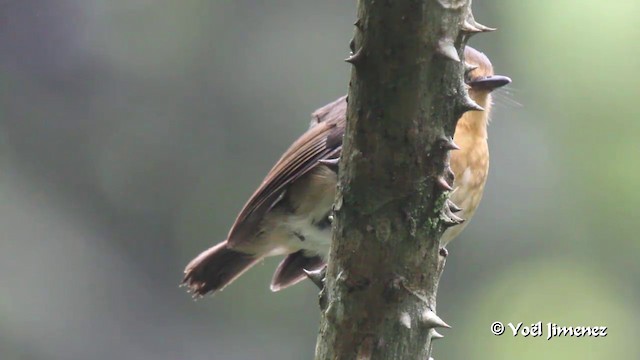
(321, 142)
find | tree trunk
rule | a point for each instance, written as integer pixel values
(405, 96)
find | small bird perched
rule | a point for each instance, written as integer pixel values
(289, 213)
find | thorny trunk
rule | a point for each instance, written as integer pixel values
(405, 96)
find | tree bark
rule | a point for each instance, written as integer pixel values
(405, 96)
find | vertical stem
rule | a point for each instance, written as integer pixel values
(405, 96)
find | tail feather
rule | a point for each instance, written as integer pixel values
(291, 269)
(216, 268)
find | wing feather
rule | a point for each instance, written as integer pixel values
(303, 155)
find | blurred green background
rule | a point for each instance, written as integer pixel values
(132, 131)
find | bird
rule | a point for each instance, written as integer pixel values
(290, 212)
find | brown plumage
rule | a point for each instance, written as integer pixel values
(289, 212)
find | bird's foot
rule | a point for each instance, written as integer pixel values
(318, 278)
(331, 163)
(448, 216)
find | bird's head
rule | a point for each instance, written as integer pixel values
(480, 79)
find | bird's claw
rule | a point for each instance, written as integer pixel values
(447, 215)
(331, 163)
(317, 276)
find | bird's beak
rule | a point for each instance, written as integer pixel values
(489, 83)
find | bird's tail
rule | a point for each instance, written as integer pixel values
(216, 268)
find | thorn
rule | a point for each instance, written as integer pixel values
(448, 222)
(431, 320)
(470, 105)
(453, 207)
(483, 28)
(450, 173)
(469, 68)
(468, 27)
(443, 184)
(331, 163)
(405, 319)
(317, 276)
(358, 24)
(447, 143)
(454, 218)
(471, 26)
(449, 219)
(447, 49)
(355, 58)
(436, 335)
